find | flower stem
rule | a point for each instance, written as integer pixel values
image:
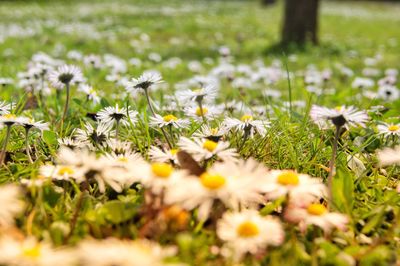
(3, 150)
(116, 128)
(332, 162)
(200, 103)
(146, 92)
(66, 104)
(27, 147)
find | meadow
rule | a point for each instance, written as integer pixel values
(155, 132)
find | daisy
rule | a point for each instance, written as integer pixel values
(8, 120)
(145, 81)
(362, 83)
(211, 133)
(124, 116)
(61, 172)
(87, 163)
(163, 156)
(234, 184)
(249, 232)
(31, 252)
(91, 94)
(119, 147)
(65, 74)
(205, 149)
(388, 93)
(12, 204)
(279, 183)
(317, 214)
(204, 94)
(168, 120)
(389, 129)
(113, 251)
(94, 137)
(389, 156)
(158, 176)
(207, 111)
(247, 125)
(342, 115)
(71, 143)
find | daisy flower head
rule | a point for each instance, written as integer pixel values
(71, 142)
(113, 251)
(340, 116)
(65, 74)
(12, 204)
(158, 176)
(211, 133)
(205, 149)
(123, 115)
(10, 119)
(118, 147)
(29, 123)
(232, 183)
(247, 125)
(157, 121)
(388, 93)
(389, 156)
(30, 251)
(249, 232)
(145, 81)
(209, 112)
(90, 92)
(204, 94)
(279, 183)
(389, 129)
(313, 213)
(94, 136)
(61, 172)
(163, 156)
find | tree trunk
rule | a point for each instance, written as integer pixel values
(300, 22)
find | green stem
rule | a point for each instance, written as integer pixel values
(332, 162)
(66, 104)
(3, 150)
(27, 147)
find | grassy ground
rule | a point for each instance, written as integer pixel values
(194, 30)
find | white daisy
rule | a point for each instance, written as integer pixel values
(204, 94)
(62, 172)
(146, 80)
(94, 137)
(314, 214)
(123, 115)
(163, 156)
(389, 129)
(168, 120)
(29, 123)
(205, 149)
(122, 253)
(342, 115)
(279, 183)
(71, 143)
(65, 74)
(234, 184)
(30, 252)
(91, 94)
(389, 156)
(5, 108)
(211, 133)
(388, 93)
(12, 204)
(249, 232)
(209, 112)
(247, 125)
(10, 119)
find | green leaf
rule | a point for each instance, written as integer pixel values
(50, 138)
(117, 212)
(343, 191)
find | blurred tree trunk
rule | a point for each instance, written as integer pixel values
(300, 22)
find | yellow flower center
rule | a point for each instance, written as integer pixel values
(198, 90)
(10, 116)
(65, 170)
(288, 178)
(201, 111)
(393, 128)
(338, 108)
(316, 209)
(122, 159)
(246, 118)
(162, 170)
(248, 229)
(174, 151)
(210, 145)
(169, 118)
(31, 252)
(212, 181)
